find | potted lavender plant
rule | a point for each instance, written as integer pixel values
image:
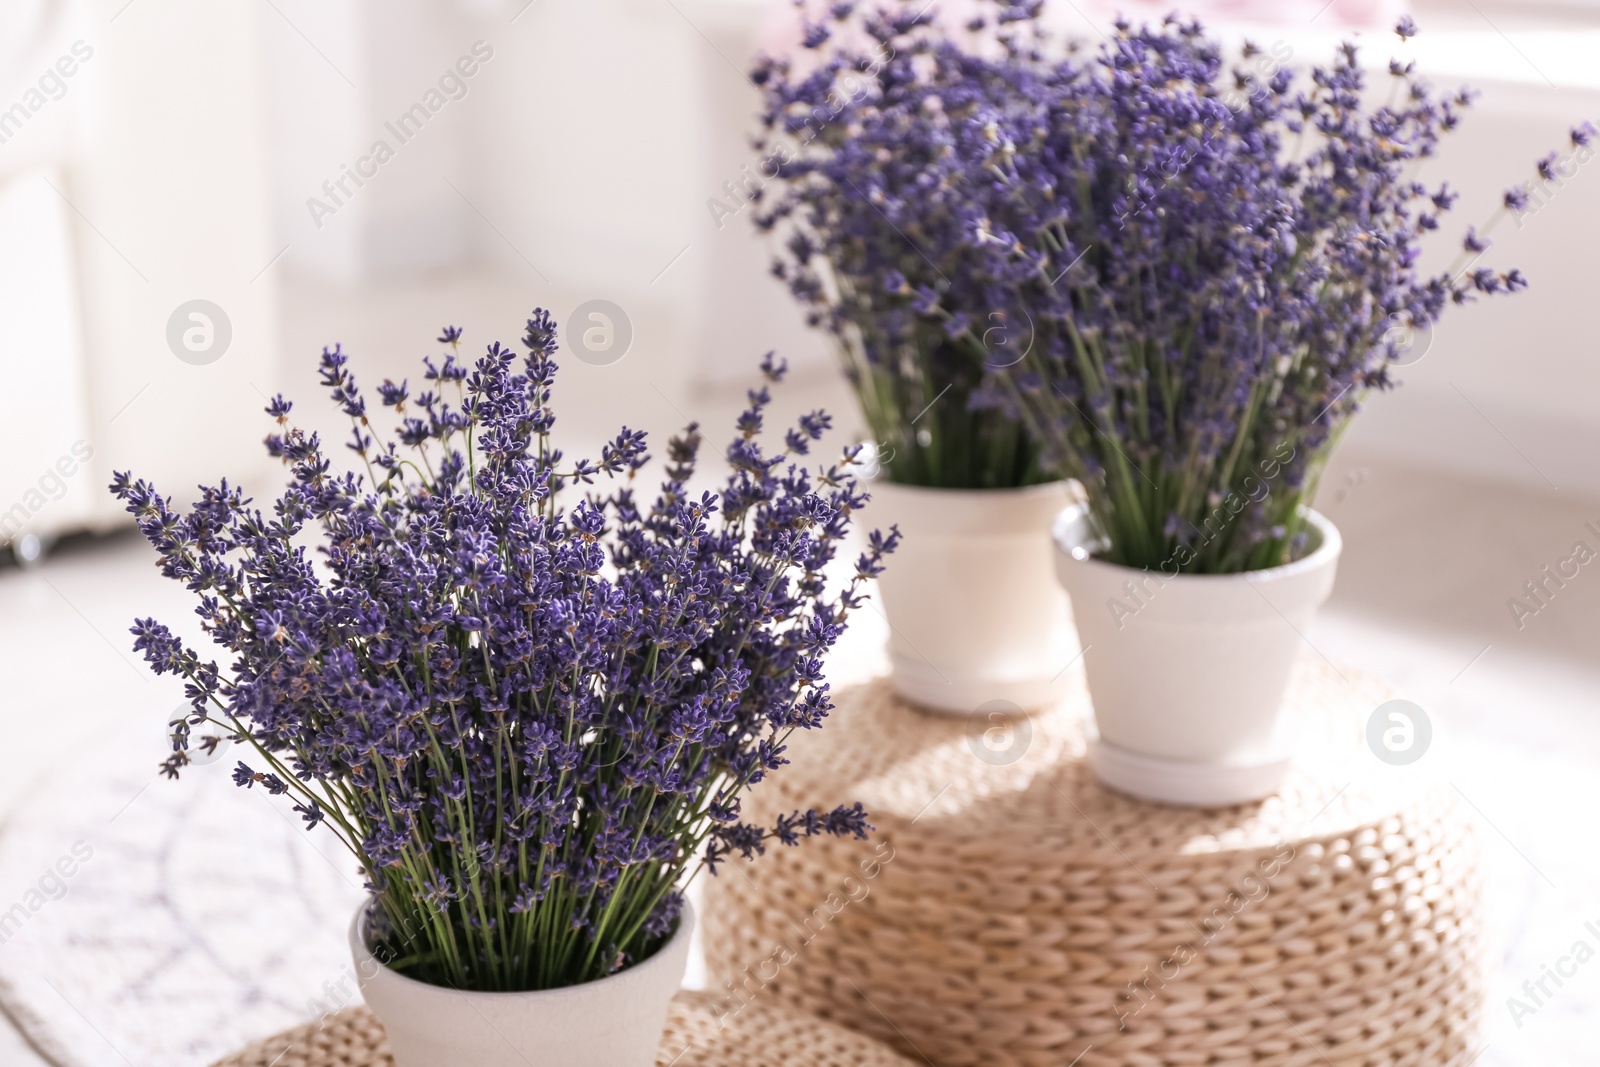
(529, 716)
(1250, 244)
(864, 217)
(1216, 263)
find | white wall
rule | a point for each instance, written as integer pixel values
(582, 160)
(171, 191)
(1510, 388)
(341, 75)
(585, 156)
(154, 155)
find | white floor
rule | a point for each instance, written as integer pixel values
(1429, 565)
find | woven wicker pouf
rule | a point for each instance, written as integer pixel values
(1009, 910)
(700, 1033)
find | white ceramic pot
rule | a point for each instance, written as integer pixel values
(614, 1022)
(973, 614)
(1187, 672)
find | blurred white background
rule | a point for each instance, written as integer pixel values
(365, 172)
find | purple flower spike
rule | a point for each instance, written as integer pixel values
(527, 693)
(1165, 268)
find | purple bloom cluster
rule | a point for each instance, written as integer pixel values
(528, 720)
(913, 374)
(1177, 273)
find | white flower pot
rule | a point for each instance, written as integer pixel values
(1187, 672)
(614, 1022)
(973, 614)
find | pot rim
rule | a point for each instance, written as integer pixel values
(1052, 488)
(358, 948)
(1326, 553)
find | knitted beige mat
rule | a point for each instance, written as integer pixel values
(1011, 912)
(700, 1033)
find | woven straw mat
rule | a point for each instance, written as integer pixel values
(1009, 910)
(699, 1034)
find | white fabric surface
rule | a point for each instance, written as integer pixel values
(202, 918)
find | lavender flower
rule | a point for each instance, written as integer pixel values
(849, 250)
(527, 705)
(1214, 263)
